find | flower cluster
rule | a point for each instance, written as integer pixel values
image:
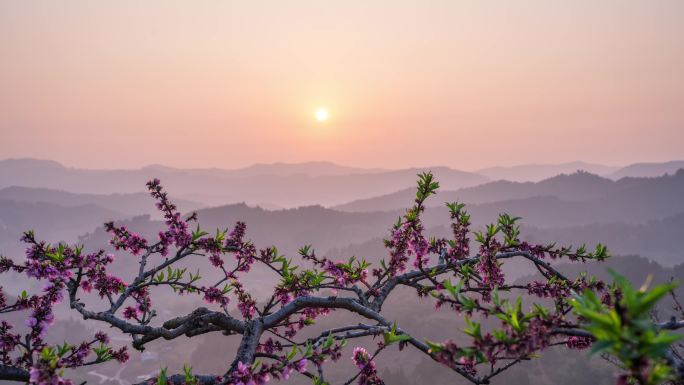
(578, 343)
(399, 249)
(215, 295)
(342, 273)
(64, 269)
(30, 351)
(449, 354)
(490, 269)
(460, 227)
(367, 371)
(243, 375)
(176, 232)
(123, 239)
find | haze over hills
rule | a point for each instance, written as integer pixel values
(313, 168)
(648, 169)
(280, 184)
(284, 186)
(634, 215)
(625, 221)
(580, 186)
(537, 172)
(563, 201)
(52, 222)
(131, 203)
(659, 240)
(321, 168)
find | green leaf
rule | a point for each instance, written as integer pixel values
(649, 299)
(256, 365)
(292, 353)
(329, 341)
(162, 378)
(600, 347)
(392, 337)
(434, 346)
(189, 377)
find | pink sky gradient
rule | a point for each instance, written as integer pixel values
(226, 84)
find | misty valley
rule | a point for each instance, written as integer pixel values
(637, 211)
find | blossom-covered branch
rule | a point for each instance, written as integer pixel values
(462, 274)
(26, 356)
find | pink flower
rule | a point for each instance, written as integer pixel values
(301, 365)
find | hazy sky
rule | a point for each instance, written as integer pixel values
(466, 84)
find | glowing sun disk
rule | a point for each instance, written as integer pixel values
(322, 114)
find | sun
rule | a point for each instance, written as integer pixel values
(322, 114)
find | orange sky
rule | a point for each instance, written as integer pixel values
(466, 84)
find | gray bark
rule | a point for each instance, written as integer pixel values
(10, 373)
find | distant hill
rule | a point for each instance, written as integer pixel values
(537, 172)
(659, 240)
(287, 229)
(316, 168)
(327, 229)
(577, 187)
(307, 168)
(50, 221)
(132, 203)
(561, 202)
(278, 184)
(648, 169)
